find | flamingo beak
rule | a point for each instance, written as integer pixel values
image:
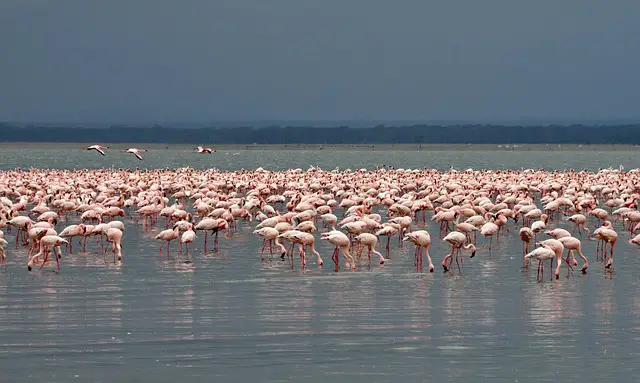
(473, 254)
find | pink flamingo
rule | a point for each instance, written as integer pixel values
(270, 235)
(114, 235)
(573, 244)
(203, 150)
(422, 240)
(457, 242)
(135, 152)
(48, 242)
(369, 241)
(98, 148)
(342, 244)
(187, 237)
(168, 235)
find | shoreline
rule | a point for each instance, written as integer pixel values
(344, 147)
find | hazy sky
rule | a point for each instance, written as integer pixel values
(132, 60)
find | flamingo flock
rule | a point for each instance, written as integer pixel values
(353, 210)
(138, 152)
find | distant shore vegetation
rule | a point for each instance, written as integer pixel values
(339, 135)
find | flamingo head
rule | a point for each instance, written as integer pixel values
(472, 248)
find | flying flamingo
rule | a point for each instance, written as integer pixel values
(135, 152)
(202, 150)
(98, 148)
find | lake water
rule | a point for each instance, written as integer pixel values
(230, 317)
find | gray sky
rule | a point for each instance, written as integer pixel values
(142, 60)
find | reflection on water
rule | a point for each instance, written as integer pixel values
(231, 316)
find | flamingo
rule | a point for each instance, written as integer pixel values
(457, 242)
(73, 231)
(203, 150)
(303, 240)
(606, 234)
(558, 233)
(558, 248)
(571, 244)
(388, 230)
(342, 244)
(526, 235)
(579, 222)
(369, 241)
(270, 235)
(422, 240)
(114, 235)
(489, 229)
(3, 255)
(214, 225)
(98, 148)
(187, 237)
(48, 242)
(541, 254)
(136, 152)
(168, 235)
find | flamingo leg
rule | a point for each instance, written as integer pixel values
(264, 244)
(388, 252)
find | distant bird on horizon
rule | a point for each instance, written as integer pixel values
(202, 150)
(135, 152)
(98, 148)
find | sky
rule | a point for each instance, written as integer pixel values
(206, 60)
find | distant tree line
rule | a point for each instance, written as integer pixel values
(414, 134)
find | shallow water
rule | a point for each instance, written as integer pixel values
(228, 316)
